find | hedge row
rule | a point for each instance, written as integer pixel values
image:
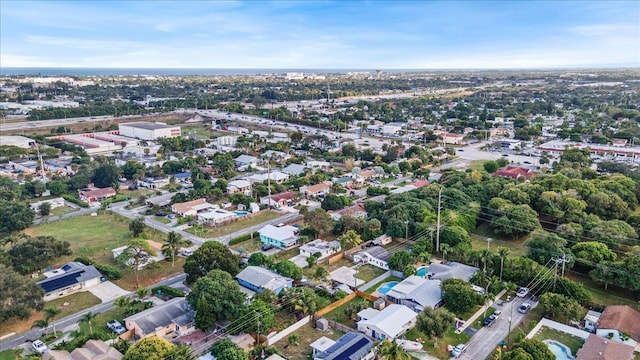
(242, 238)
(76, 201)
(112, 273)
(169, 291)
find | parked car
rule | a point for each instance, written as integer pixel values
(116, 327)
(266, 247)
(492, 318)
(458, 350)
(161, 214)
(524, 308)
(40, 347)
(522, 292)
(186, 252)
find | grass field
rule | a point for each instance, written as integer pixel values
(449, 338)
(602, 296)
(573, 342)
(62, 210)
(369, 272)
(479, 242)
(248, 247)
(8, 355)
(208, 232)
(92, 236)
(150, 274)
(162, 219)
(74, 303)
(477, 165)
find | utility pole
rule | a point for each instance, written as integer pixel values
(406, 230)
(438, 225)
(258, 329)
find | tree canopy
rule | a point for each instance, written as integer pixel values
(211, 255)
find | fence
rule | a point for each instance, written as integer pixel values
(327, 309)
(335, 258)
(279, 336)
(338, 326)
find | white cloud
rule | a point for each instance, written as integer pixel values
(85, 44)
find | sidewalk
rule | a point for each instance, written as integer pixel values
(479, 313)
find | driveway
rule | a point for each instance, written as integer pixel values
(107, 291)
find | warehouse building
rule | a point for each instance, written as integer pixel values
(148, 130)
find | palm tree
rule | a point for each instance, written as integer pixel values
(485, 255)
(503, 252)
(41, 324)
(122, 302)
(88, 318)
(172, 245)
(445, 248)
(143, 292)
(182, 352)
(349, 240)
(50, 314)
(390, 350)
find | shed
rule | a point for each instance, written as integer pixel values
(322, 324)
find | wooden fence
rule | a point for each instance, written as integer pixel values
(327, 309)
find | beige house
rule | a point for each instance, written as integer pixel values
(92, 350)
(317, 190)
(190, 208)
(172, 319)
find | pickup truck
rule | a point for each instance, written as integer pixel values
(116, 327)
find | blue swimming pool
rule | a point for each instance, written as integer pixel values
(384, 289)
(241, 213)
(559, 350)
(422, 271)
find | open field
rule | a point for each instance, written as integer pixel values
(74, 303)
(92, 236)
(449, 338)
(62, 210)
(208, 232)
(150, 274)
(573, 342)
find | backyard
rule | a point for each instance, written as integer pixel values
(211, 232)
(338, 314)
(375, 287)
(306, 335)
(369, 272)
(247, 247)
(574, 343)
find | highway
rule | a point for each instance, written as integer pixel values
(27, 337)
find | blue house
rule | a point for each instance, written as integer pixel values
(279, 236)
(257, 279)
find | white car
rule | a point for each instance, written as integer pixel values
(524, 308)
(458, 350)
(40, 347)
(522, 292)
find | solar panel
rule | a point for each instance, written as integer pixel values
(347, 353)
(61, 282)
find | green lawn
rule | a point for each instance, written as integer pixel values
(211, 232)
(62, 210)
(250, 246)
(198, 130)
(92, 236)
(338, 314)
(375, 287)
(602, 296)
(369, 272)
(573, 342)
(479, 242)
(162, 219)
(449, 338)
(467, 314)
(477, 165)
(8, 355)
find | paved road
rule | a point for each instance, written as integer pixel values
(487, 339)
(17, 340)
(25, 125)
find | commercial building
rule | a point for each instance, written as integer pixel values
(19, 141)
(149, 130)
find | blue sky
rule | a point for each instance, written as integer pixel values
(320, 34)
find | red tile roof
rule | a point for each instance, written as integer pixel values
(621, 318)
(515, 172)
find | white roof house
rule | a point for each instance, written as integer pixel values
(294, 169)
(325, 248)
(417, 293)
(275, 176)
(451, 270)
(246, 160)
(280, 236)
(238, 186)
(216, 216)
(391, 322)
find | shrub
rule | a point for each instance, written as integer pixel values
(169, 291)
(109, 271)
(78, 202)
(243, 238)
(83, 260)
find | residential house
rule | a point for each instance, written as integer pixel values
(317, 190)
(275, 155)
(345, 181)
(591, 320)
(153, 183)
(294, 170)
(215, 216)
(375, 255)
(239, 186)
(70, 278)
(451, 139)
(279, 236)
(92, 350)
(257, 279)
(92, 194)
(356, 211)
(275, 176)
(350, 346)
(438, 271)
(515, 172)
(417, 293)
(597, 348)
(171, 318)
(324, 248)
(279, 200)
(318, 165)
(247, 161)
(190, 208)
(620, 323)
(390, 323)
(24, 166)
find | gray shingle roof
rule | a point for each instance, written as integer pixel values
(351, 346)
(452, 270)
(175, 310)
(263, 278)
(75, 273)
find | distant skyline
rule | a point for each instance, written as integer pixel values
(320, 34)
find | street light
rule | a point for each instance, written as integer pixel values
(489, 240)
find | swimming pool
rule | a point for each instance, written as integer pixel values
(241, 213)
(384, 289)
(559, 350)
(422, 271)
